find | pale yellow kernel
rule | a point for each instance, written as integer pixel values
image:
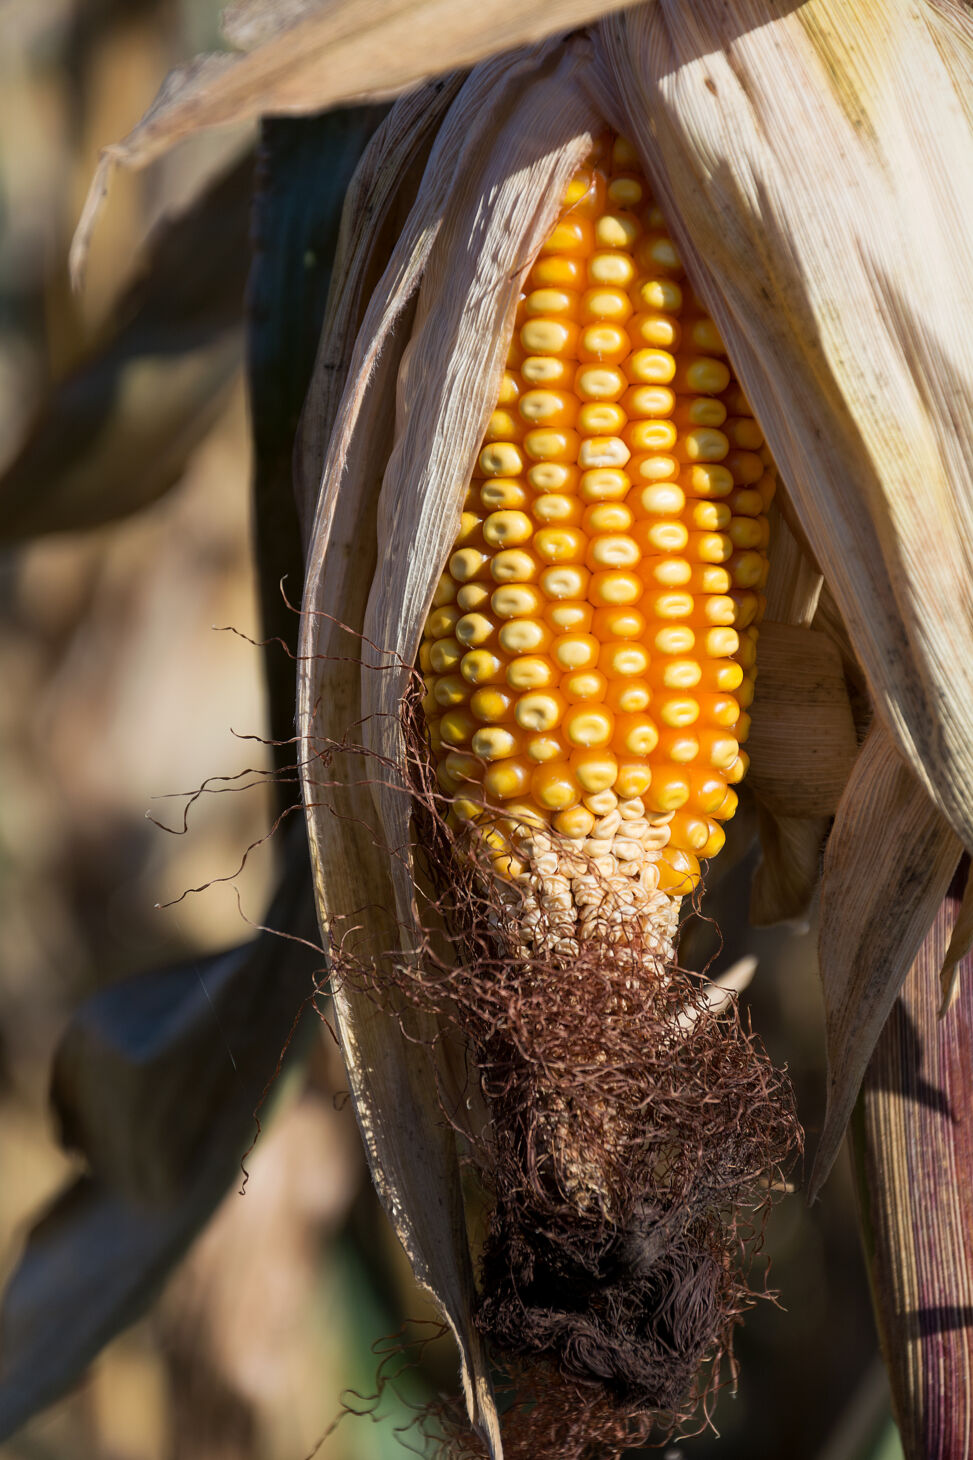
(578, 685)
(708, 516)
(569, 617)
(493, 703)
(550, 370)
(661, 536)
(479, 666)
(441, 622)
(507, 529)
(650, 436)
(616, 550)
(516, 600)
(617, 230)
(503, 494)
(549, 337)
(566, 580)
(557, 508)
(505, 779)
(514, 565)
(594, 769)
(576, 822)
(701, 376)
(707, 479)
(664, 571)
(662, 294)
(603, 451)
(540, 711)
(451, 690)
(604, 343)
(608, 304)
(548, 408)
(673, 639)
(588, 726)
(460, 768)
(457, 727)
(465, 809)
(547, 444)
(445, 655)
(622, 659)
(474, 629)
(675, 673)
(445, 591)
(601, 418)
(473, 596)
(531, 671)
(544, 747)
(650, 367)
(600, 382)
(657, 331)
(648, 402)
(606, 484)
(709, 547)
(611, 268)
(500, 459)
(504, 425)
(676, 711)
(606, 517)
(553, 476)
(628, 696)
(554, 787)
(658, 251)
(657, 499)
(562, 303)
(466, 563)
(720, 643)
(704, 443)
(496, 742)
(623, 155)
(575, 651)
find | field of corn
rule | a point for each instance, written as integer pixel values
(487, 644)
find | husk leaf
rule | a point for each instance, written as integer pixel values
(913, 1132)
(812, 166)
(789, 869)
(960, 944)
(889, 861)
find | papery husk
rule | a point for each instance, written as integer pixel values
(889, 862)
(518, 129)
(810, 164)
(960, 944)
(913, 1138)
(789, 869)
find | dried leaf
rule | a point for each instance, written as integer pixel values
(795, 582)
(116, 434)
(811, 162)
(305, 56)
(789, 869)
(913, 1133)
(157, 1082)
(802, 743)
(889, 862)
(959, 948)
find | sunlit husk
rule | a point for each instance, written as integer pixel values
(810, 163)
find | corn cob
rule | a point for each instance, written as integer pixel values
(589, 657)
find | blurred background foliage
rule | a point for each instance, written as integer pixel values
(124, 423)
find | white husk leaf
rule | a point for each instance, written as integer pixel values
(889, 861)
(815, 167)
(498, 166)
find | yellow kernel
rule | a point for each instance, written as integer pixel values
(673, 639)
(708, 516)
(678, 746)
(559, 544)
(648, 402)
(669, 605)
(553, 476)
(556, 272)
(479, 666)
(701, 376)
(504, 425)
(588, 726)
(635, 735)
(708, 789)
(554, 507)
(603, 451)
(620, 660)
(617, 230)
(524, 636)
(466, 809)
(704, 336)
(550, 337)
(499, 494)
(745, 693)
(554, 787)
(707, 479)
(612, 551)
(445, 591)
(654, 467)
(709, 547)
(650, 367)
(678, 872)
(514, 565)
(451, 690)
(699, 411)
(566, 580)
(723, 676)
(675, 673)
(601, 418)
(548, 444)
(727, 806)
(650, 436)
(742, 729)
(688, 832)
(676, 711)
(569, 617)
(493, 703)
(576, 651)
(516, 600)
(611, 268)
(718, 748)
(604, 485)
(658, 499)
(634, 778)
(548, 408)
(445, 655)
(745, 502)
(603, 303)
(540, 711)
(720, 643)
(665, 571)
(576, 822)
(459, 768)
(474, 628)
(660, 536)
(662, 294)
(658, 331)
(604, 344)
(626, 192)
(736, 772)
(425, 663)
(623, 155)
(441, 622)
(500, 459)
(709, 578)
(746, 532)
(628, 696)
(563, 303)
(572, 236)
(507, 529)
(715, 842)
(543, 747)
(551, 370)
(599, 382)
(669, 789)
(579, 685)
(496, 742)
(606, 517)
(457, 727)
(595, 770)
(703, 444)
(509, 389)
(466, 562)
(507, 778)
(747, 467)
(531, 671)
(744, 433)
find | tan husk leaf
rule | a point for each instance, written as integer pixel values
(519, 126)
(811, 167)
(960, 944)
(802, 743)
(308, 55)
(889, 861)
(789, 869)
